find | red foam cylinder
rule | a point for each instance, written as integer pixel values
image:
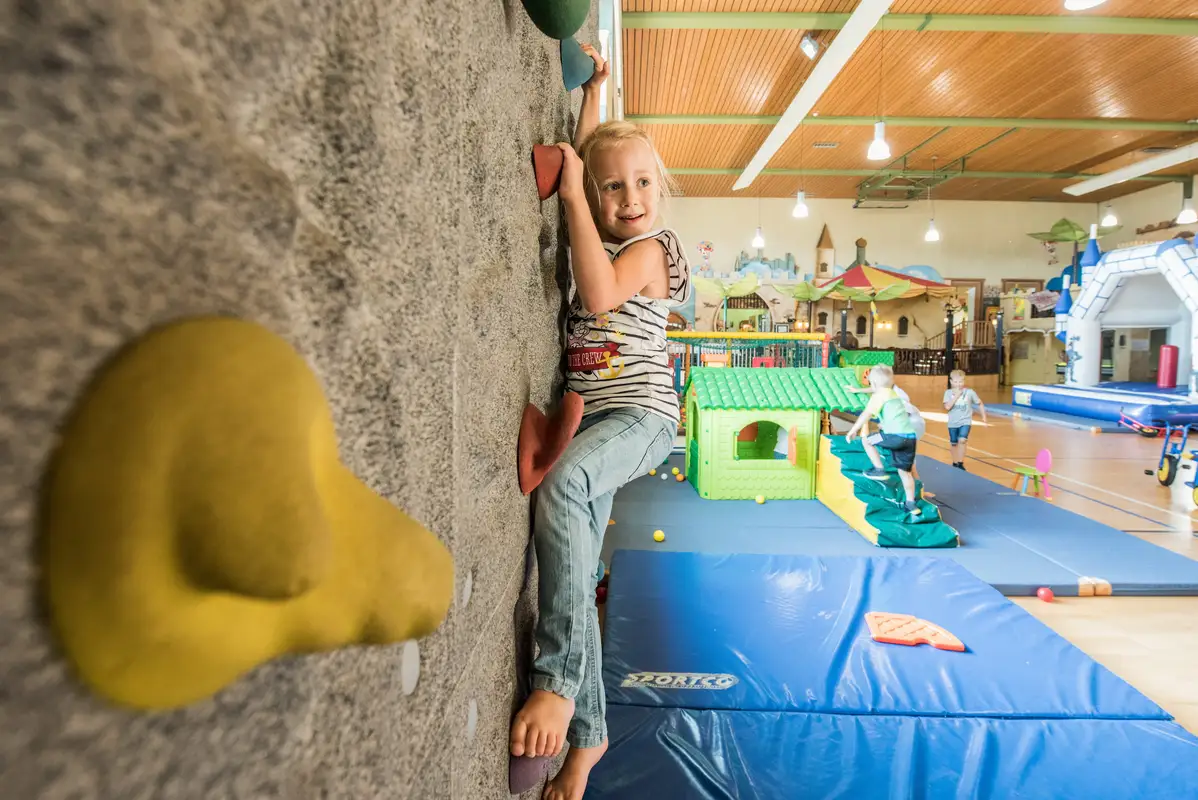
(1166, 373)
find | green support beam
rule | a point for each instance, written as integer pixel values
(987, 23)
(919, 173)
(928, 122)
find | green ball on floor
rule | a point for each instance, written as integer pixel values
(557, 19)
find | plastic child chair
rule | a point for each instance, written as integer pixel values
(1038, 475)
(763, 361)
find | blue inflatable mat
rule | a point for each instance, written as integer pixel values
(684, 754)
(1131, 565)
(1055, 418)
(788, 633)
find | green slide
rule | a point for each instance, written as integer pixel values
(884, 503)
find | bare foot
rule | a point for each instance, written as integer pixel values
(571, 781)
(540, 727)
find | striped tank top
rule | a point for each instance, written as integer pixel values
(618, 359)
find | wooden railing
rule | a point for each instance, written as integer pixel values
(973, 360)
(978, 333)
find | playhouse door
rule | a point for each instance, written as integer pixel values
(804, 443)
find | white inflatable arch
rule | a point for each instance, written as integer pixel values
(1106, 302)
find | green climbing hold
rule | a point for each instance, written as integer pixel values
(577, 66)
(557, 19)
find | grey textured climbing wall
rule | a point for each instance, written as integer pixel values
(355, 175)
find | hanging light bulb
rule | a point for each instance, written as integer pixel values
(758, 241)
(1187, 216)
(878, 149)
(801, 211)
(1109, 220)
(932, 235)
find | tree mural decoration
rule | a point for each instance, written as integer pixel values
(723, 290)
(1068, 231)
(807, 292)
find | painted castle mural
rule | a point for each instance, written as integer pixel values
(768, 309)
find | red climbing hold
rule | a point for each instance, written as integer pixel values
(544, 439)
(547, 163)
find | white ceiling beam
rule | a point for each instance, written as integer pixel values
(846, 43)
(1146, 167)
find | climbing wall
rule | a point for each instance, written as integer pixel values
(355, 176)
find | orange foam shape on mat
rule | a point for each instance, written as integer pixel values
(544, 439)
(906, 629)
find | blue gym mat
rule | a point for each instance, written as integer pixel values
(1055, 418)
(685, 754)
(754, 676)
(1016, 544)
(791, 630)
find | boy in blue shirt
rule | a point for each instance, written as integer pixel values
(960, 402)
(895, 432)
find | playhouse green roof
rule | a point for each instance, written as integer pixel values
(765, 388)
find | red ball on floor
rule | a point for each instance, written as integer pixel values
(1045, 594)
(601, 594)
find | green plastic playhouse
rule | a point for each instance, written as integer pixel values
(732, 421)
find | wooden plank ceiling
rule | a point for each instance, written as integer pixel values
(928, 74)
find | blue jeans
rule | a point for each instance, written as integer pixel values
(573, 503)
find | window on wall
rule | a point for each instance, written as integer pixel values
(903, 325)
(861, 324)
(822, 318)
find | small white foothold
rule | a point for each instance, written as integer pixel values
(409, 667)
(467, 588)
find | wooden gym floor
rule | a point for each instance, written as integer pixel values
(1151, 642)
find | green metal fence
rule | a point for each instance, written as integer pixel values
(690, 349)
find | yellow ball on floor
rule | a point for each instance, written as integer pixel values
(675, 470)
(652, 472)
(760, 499)
(659, 536)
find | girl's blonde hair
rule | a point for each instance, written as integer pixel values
(613, 134)
(957, 373)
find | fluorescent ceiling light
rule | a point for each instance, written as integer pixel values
(1082, 5)
(809, 46)
(1146, 167)
(859, 25)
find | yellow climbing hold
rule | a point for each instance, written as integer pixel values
(760, 499)
(199, 523)
(659, 536)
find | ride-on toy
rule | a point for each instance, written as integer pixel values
(1173, 452)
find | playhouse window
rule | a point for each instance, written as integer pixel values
(756, 441)
(860, 324)
(903, 325)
